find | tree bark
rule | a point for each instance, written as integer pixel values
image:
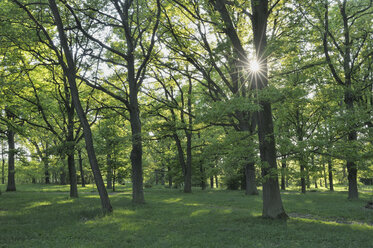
(302, 176)
(212, 182)
(109, 171)
(216, 181)
(70, 72)
(169, 177)
(330, 170)
(81, 167)
(250, 176)
(71, 151)
(283, 173)
(324, 170)
(272, 203)
(136, 154)
(72, 175)
(11, 169)
(203, 178)
(3, 164)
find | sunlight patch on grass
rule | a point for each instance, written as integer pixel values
(39, 204)
(193, 204)
(172, 200)
(199, 212)
(65, 201)
(125, 211)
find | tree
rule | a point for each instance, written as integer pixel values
(138, 23)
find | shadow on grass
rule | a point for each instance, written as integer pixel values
(168, 219)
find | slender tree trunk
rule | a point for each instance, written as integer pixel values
(315, 183)
(203, 177)
(330, 170)
(283, 173)
(3, 164)
(81, 167)
(46, 171)
(188, 168)
(11, 169)
(251, 188)
(308, 181)
(70, 73)
(212, 182)
(302, 177)
(109, 171)
(63, 176)
(324, 170)
(3, 171)
(216, 181)
(169, 177)
(113, 180)
(71, 150)
(46, 163)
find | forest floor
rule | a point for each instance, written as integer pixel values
(45, 216)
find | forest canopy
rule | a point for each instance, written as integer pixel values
(208, 93)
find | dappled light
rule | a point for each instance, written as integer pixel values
(186, 123)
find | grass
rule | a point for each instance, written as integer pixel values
(44, 216)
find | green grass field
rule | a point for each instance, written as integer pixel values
(45, 216)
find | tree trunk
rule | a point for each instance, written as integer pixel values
(11, 169)
(3, 164)
(136, 155)
(72, 175)
(109, 171)
(330, 170)
(46, 163)
(216, 181)
(325, 181)
(169, 177)
(71, 151)
(70, 73)
(283, 173)
(46, 172)
(251, 188)
(212, 182)
(113, 180)
(81, 167)
(302, 176)
(308, 180)
(203, 178)
(272, 203)
(63, 177)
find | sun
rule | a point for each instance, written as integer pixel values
(254, 66)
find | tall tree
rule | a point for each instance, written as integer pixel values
(137, 22)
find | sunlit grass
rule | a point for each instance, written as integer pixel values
(45, 216)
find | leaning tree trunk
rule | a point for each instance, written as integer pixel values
(11, 169)
(70, 72)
